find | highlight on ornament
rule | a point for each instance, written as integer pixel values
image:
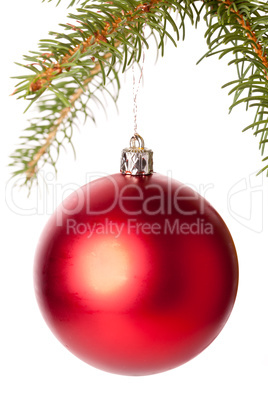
(136, 273)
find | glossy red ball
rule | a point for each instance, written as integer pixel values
(136, 275)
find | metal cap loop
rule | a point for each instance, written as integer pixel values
(136, 160)
(137, 139)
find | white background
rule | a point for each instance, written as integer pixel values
(183, 116)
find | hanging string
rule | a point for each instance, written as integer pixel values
(136, 89)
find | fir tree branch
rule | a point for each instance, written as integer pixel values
(256, 45)
(108, 37)
(104, 38)
(242, 29)
(31, 171)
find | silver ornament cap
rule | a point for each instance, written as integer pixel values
(136, 160)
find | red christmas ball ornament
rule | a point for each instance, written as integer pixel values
(136, 273)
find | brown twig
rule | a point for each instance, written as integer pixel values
(256, 45)
(45, 77)
(31, 171)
